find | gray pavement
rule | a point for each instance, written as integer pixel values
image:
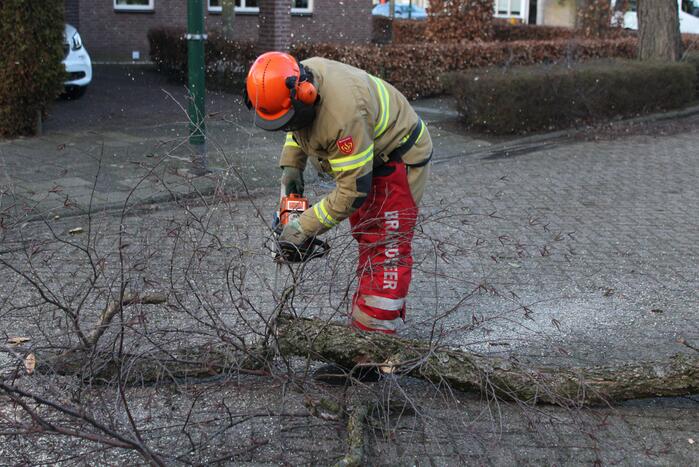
(569, 253)
(127, 137)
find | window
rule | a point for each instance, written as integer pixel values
(251, 6)
(301, 6)
(242, 6)
(508, 8)
(134, 5)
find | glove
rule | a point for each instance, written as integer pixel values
(292, 181)
(294, 245)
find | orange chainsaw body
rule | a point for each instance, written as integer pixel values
(291, 207)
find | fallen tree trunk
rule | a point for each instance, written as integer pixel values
(319, 340)
(336, 343)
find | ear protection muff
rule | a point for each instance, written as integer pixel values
(302, 89)
(306, 92)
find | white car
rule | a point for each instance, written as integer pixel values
(77, 63)
(688, 24)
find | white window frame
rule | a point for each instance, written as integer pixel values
(238, 9)
(524, 5)
(149, 7)
(304, 10)
(245, 9)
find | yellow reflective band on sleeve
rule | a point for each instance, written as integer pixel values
(322, 215)
(385, 109)
(406, 137)
(341, 164)
(422, 130)
(290, 141)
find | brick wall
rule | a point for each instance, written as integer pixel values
(275, 25)
(112, 35)
(72, 12)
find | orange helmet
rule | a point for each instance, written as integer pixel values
(275, 87)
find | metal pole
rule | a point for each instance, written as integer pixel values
(197, 93)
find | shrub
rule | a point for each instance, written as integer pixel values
(31, 72)
(595, 18)
(168, 50)
(692, 58)
(226, 61)
(409, 32)
(507, 32)
(547, 97)
(415, 32)
(416, 70)
(381, 29)
(460, 20)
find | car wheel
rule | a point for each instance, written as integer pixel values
(74, 92)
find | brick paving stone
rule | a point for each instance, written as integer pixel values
(576, 254)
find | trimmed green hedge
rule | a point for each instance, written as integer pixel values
(523, 99)
(31, 72)
(692, 59)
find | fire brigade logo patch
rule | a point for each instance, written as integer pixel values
(345, 145)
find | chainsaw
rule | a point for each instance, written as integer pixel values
(291, 207)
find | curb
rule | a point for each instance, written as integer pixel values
(533, 143)
(128, 63)
(520, 146)
(137, 205)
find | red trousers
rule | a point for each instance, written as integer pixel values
(384, 227)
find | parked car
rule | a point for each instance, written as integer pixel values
(402, 11)
(77, 63)
(688, 24)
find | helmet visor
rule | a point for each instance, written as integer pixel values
(274, 122)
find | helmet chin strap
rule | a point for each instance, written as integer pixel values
(304, 114)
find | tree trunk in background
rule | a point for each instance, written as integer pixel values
(659, 30)
(228, 18)
(392, 8)
(275, 25)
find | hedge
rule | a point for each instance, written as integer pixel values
(409, 31)
(460, 20)
(508, 32)
(225, 60)
(415, 32)
(692, 58)
(382, 28)
(414, 69)
(31, 72)
(523, 99)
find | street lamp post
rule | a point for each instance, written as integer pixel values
(195, 78)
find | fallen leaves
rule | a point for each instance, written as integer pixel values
(30, 363)
(17, 340)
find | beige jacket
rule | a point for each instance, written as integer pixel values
(360, 119)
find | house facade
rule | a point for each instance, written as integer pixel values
(545, 12)
(116, 30)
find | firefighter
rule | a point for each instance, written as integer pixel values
(363, 132)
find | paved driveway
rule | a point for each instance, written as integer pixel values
(574, 253)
